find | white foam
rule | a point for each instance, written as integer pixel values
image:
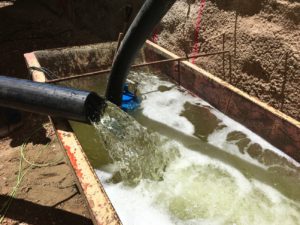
(133, 205)
(200, 190)
(235, 126)
(219, 139)
(197, 189)
(189, 157)
(272, 194)
(167, 106)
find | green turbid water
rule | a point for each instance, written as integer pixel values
(177, 160)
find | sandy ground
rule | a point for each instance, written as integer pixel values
(267, 60)
(47, 195)
(265, 34)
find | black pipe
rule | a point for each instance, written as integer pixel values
(148, 17)
(53, 100)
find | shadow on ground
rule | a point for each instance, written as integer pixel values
(32, 130)
(39, 214)
(26, 26)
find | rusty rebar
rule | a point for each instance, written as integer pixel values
(120, 38)
(284, 79)
(99, 72)
(235, 30)
(230, 69)
(223, 55)
(178, 71)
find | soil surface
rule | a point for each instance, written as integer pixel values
(47, 194)
(265, 56)
(265, 63)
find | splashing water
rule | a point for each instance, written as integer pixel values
(178, 180)
(198, 190)
(137, 152)
(186, 185)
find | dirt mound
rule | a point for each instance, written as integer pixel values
(265, 50)
(243, 7)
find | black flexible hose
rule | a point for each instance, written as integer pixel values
(148, 17)
(53, 100)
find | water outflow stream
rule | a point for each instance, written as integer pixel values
(137, 152)
(184, 162)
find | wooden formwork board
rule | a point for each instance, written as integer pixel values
(276, 127)
(100, 207)
(279, 129)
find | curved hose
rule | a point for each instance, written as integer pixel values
(148, 17)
